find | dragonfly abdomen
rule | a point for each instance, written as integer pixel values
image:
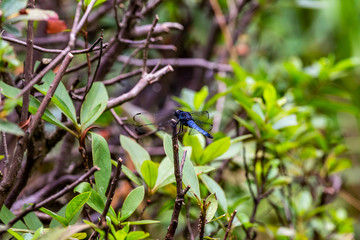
(193, 125)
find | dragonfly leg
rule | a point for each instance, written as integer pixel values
(180, 128)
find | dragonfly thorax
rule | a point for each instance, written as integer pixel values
(183, 117)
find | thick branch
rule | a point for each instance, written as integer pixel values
(144, 81)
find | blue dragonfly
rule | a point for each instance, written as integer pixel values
(198, 121)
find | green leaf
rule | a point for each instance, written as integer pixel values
(244, 219)
(94, 105)
(200, 97)
(269, 96)
(60, 98)
(34, 14)
(34, 104)
(32, 221)
(137, 235)
(214, 98)
(246, 124)
(55, 216)
(63, 233)
(212, 208)
(214, 187)
(189, 174)
(149, 172)
(141, 222)
(15, 234)
(10, 6)
(165, 173)
(11, 128)
(95, 201)
(194, 142)
(280, 181)
(76, 205)
(240, 73)
(132, 201)
(102, 159)
(6, 216)
(97, 3)
(203, 169)
(215, 149)
(182, 102)
(137, 153)
(288, 121)
(303, 202)
(130, 175)
(11, 29)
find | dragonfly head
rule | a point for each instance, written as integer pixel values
(178, 113)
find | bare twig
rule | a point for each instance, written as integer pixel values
(224, 28)
(50, 93)
(147, 42)
(5, 148)
(82, 65)
(180, 193)
(47, 50)
(112, 190)
(121, 123)
(28, 64)
(46, 190)
(150, 6)
(114, 80)
(179, 62)
(90, 82)
(229, 225)
(144, 81)
(202, 220)
(36, 206)
(165, 27)
(110, 196)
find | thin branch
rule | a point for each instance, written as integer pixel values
(82, 65)
(150, 6)
(229, 225)
(144, 81)
(147, 42)
(202, 219)
(121, 123)
(114, 80)
(109, 199)
(179, 62)
(112, 190)
(47, 189)
(116, 16)
(5, 148)
(28, 65)
(50, 93)
(224, 28)
(134, 53)
(72, 36)
(90, 83)
(165, 27)
(183, 162)
(36, 206)
(180, 193)
(47, 50)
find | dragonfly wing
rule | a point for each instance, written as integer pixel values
(149, 122)
(200, 115)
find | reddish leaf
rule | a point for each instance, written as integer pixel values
(55, 26)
